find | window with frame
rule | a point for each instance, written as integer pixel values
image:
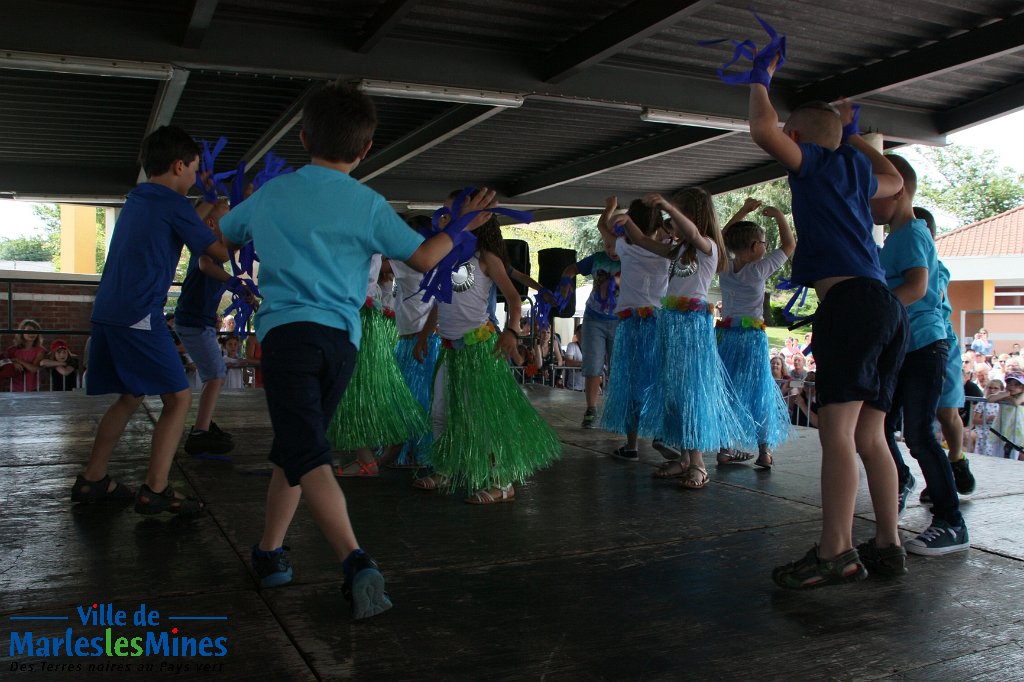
(1009, 296)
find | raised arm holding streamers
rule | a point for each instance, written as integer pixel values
(750, 204)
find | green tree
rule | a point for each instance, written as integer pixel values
(970, 184)
(586, 238)
(49, 215)
(24, 248)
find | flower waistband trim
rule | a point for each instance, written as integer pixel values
(745, 322)
(685, 304)
(472, 337)
(642, 311)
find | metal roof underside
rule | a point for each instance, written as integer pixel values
(242, 68)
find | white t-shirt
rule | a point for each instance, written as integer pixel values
(471, 289)
(644, 277)
(410, 310)
(372, 288)
(743, 291)
(574, 377)
(233, 375)
(693, 280)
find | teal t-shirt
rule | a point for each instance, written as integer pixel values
(947, 309)
(315, 231)
(909, 247)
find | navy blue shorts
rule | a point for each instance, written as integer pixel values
(860, 338)
(133, 361)
(306, 367)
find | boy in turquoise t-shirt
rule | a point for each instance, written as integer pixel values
(911, 266)
(316, 230)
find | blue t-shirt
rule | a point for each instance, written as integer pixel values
(602, 267)
(199, 299)
(315, 230)
(832, 213)
(145, 248)
(912, 246)
(947, 309)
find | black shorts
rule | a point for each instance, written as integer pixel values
(860, 338)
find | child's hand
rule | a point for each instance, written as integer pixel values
(507, 342)
(653, 199)
(610, 204)
(773, 213)
(419, 349)
(750, 204)
(773, 65)
(845, 108)
(483, 200)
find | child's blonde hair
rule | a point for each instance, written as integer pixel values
(29, 324)
(695, 203)
(742, 235)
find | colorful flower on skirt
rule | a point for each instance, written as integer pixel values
(685, 304)
(741, 323)
(389, 313)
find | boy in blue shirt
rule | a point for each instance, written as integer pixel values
(859, 327)
(912, 272)
(195, 322)
(316, 230)
(131, 351)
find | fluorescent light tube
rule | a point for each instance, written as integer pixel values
(91, 66)
(439, 93)
(697, 120)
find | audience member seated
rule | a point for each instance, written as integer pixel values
(803, 407)
(573, 357)
(799, 370)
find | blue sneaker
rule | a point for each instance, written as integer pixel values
(272, 568)
(905, 489)
(940, 538)
(364, 586)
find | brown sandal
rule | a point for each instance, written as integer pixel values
(506, 493)
(670, 470)
(431, 482)
(695, 478)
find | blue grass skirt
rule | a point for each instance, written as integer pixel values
(634, 369)
(419, 377)
(377, 407)
(693, 405)
(744, 353)
(492, 434)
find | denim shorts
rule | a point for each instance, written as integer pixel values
(201, 345)
(596, 344)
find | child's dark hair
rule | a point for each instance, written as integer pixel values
(742, 235)
(925, 215)
(163, 147)
(696, 204)
(647, 218)
(338, 121)
(489, 239)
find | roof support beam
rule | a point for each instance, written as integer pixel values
(997, 104)
(670, 141)
(165, 103)
(972, 47)
(447, 125)
(284, 123)
(387, 17)
(198, 22)
(626, 27)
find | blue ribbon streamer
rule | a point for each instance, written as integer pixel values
(273, 166)
(542, 309)
(237, 193)
(607, 303)
(437, 283)
(747, 49)
(797, 300)
(206, 165)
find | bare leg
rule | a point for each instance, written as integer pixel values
(881, 472)
(952, 431)
(282, 501)
(837, 425)
(327, 503)
(107, 434)
(592, 387)
(631, 440)
(166, 436)
(391, 454)
(207, 401)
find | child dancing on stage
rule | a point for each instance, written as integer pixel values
(693, 406)
(487, 436)
(742, 341)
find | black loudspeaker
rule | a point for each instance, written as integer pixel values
(552, 263)
(518, 258)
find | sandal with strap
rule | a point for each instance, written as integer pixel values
(734, 457)
(150, 503)
(85, 491)
(362, 470)
(812, 571)
(765, 459)
(431, 482)
(506, 493)
(695, 478)
(670, 470)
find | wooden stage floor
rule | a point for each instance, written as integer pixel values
(596, 572)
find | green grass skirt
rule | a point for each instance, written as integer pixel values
(377, 407)
(487, 414)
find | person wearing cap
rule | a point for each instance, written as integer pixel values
(1009, 426)
(63, 366)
